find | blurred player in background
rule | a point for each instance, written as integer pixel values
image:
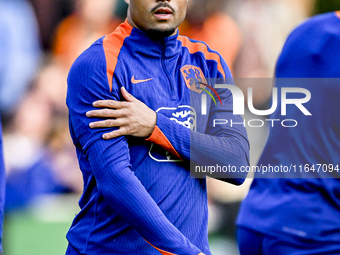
(226, 36)
(301, 215)
(90, 20)
(138, 195)
(18, 55)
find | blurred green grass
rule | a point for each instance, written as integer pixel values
(40, 229)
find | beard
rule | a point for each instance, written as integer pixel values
(160, 33)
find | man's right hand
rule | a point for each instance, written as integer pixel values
(132, 117)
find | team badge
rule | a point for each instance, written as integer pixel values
(194, 78)
(184, 115)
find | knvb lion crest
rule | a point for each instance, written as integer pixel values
(194, 78)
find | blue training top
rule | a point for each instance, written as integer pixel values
(138, 195)
(296, 209)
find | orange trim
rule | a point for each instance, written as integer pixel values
(194, 47)
(112, 44)
(161, 251)
(159, 138)
(338, 14)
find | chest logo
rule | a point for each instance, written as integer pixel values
(134, 81)
(194, 78)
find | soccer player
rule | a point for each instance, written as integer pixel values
(2, 188)
(138, 195)
(301, 215)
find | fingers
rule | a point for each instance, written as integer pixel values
(106, 113)
(116, 104)
(111, 123)
(127, 95)
(120, 123)
(114, 134)
(112, 104)
(106, 123)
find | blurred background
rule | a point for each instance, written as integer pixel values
(40, 39)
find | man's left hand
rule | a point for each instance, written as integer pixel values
(132, 117)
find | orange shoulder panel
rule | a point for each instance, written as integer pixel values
(159, 138)
(112, 44)
(338, 13)
(194, 47)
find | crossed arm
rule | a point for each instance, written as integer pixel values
(132, 117)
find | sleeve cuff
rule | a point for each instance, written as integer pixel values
(158, 137)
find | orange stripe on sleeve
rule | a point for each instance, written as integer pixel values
(112, 44)
(159, 138)
(161, 251)
(194, 47)
(338, 14)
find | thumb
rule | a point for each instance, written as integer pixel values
(127, 95)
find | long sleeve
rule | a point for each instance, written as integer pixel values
(110, 159)
(221, 145)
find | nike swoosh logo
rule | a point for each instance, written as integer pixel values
(134, 81)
